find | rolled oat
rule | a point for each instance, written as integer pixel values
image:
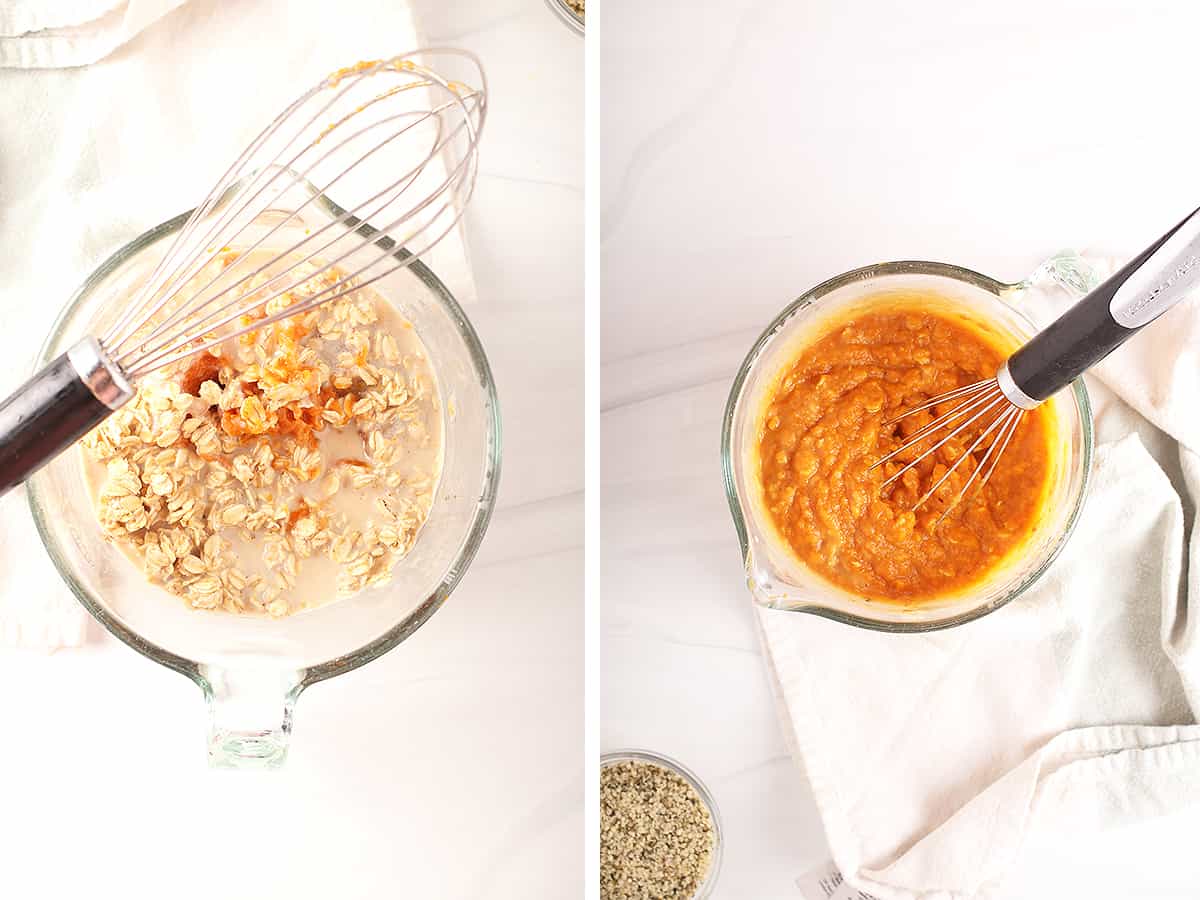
(311, 444)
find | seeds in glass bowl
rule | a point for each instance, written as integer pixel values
(656, 834)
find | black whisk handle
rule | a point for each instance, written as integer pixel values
(1145, 288)
(55, 408)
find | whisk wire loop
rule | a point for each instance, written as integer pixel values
(435, 137)
(194, 264)
(971, 448)
(136, 310)
(246, 304)
(953, 433)
(971, 402)
(1015, 416)
(940, 399)
(975, 402)
(159, 357)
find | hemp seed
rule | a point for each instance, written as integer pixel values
(656, 834)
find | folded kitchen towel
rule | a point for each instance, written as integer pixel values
(35, 34)
(91, 157)
(1068, 710)
(36, 610)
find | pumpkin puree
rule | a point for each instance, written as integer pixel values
(822, 428)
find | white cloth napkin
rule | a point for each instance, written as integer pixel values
(35, 34)
(91, 157)
(933, 757)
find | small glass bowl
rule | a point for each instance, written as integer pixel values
(705, 890)
(776, 578)
(569, 17)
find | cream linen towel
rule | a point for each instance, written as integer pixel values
(91, 157)
(51, 34)
(932, 757)
(36, 610)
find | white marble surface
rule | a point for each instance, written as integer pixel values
(753, 149)
(450, 768)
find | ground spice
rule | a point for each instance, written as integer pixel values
(656, 834)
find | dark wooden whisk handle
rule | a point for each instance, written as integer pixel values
(56, 407)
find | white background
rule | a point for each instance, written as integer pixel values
(753, 149)
(450, 768)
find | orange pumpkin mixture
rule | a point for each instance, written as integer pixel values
(822, 429)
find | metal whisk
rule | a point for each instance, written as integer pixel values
(395, 140)
(1154, 281)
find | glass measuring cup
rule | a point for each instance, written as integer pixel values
(780, 581)
(251, 670)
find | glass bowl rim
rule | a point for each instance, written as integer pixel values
(483, 511)
(998, 289)
(630, 754)
(569, 17)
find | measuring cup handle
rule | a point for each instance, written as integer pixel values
(1074, 272)
(250, 715)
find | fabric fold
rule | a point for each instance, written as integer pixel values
(53, 35)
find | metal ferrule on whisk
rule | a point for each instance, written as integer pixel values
(1146, 287)
(1012, 391)
(102, 376)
